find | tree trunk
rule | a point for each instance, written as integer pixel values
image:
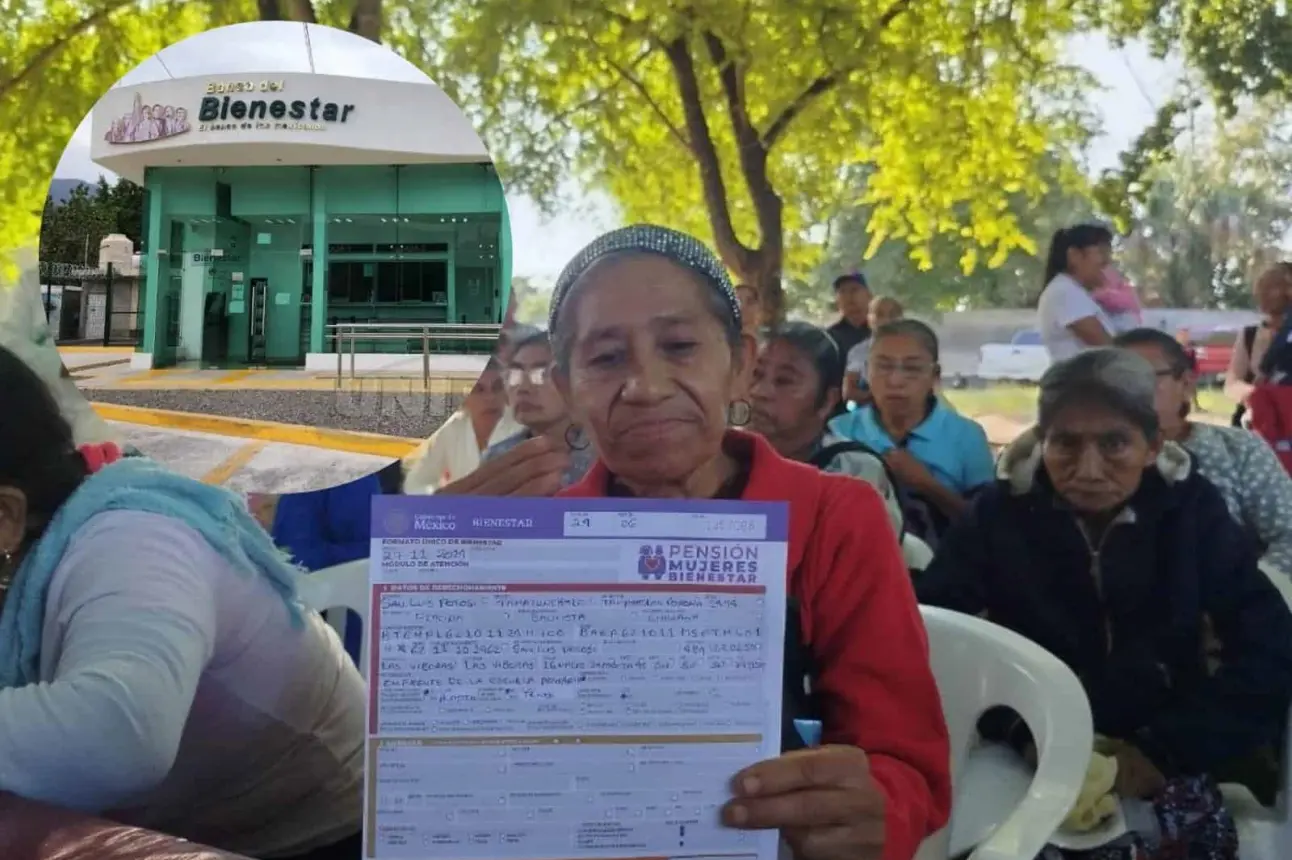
(764, 275)
(366, 20)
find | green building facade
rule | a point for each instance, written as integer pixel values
(299, 248)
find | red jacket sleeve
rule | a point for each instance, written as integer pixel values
(876, 684)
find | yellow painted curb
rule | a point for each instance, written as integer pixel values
(253, 384)
(234, 463)
(353, 442)
(104, 350)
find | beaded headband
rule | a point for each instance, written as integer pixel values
(681, 248)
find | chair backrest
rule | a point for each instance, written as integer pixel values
(979, 665)
(344, 586)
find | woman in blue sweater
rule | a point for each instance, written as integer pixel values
(156, 664)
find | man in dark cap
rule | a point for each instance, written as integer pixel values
(852, 297)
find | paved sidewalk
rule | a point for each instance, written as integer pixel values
(249, 465)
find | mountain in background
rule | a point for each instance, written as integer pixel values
(61, 189)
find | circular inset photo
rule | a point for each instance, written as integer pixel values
(276, 257)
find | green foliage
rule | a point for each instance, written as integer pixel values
(1242, 47)
(57, 57)
(532, 301)
(945, 284)
(1119, 190)
(70, 232)
(1215, 214)
(742, 120)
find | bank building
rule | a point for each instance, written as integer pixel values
(289, 217)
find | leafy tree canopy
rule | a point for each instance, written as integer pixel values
(743, 120)
(1242, 47)
(57, 57)
(70, 232)
(945, 280)
(1217, 213)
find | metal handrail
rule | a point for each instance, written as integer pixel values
(408, 331)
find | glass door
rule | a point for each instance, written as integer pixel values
(217, 297)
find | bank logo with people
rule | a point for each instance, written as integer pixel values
(147, 123)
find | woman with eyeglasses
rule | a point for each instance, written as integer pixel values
(1103, 544)
(539, 408)
(453, 452)
(795, 392)
(938, 455)
(1256, 489)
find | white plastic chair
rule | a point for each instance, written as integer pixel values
(979, 665)
(344, 586)
(1265, 833)
(916, 552)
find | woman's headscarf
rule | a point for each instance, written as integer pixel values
(681, 248)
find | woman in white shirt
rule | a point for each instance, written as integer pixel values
(454, 450)
(1068, 317)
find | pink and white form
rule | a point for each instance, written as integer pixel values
(570, 679)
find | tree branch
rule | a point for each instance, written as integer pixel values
(267, 10)
(562, 117)
(366, 20)
(750, 149)
(734, 254)
(637, 84)
(828, 81)
(47, 53)
(298, 10)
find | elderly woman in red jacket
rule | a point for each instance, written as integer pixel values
(648, 350)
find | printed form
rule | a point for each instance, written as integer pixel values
(570, 679)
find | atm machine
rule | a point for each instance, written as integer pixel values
(257, 320)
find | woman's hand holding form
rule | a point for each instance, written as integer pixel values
(532, 468)
(823, 800)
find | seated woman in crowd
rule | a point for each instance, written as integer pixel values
(938, 455)
(795, 391)
(1256, 488)
(883, 310)
(454, 450)
(155, 664)
(539, 408)
(649, 352)
(1272, 292)
(1104, 545)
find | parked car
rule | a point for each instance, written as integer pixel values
(1023, 359)
(1212, 350)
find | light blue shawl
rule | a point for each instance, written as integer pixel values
(134, 484)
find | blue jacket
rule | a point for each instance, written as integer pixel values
(328, 527)
(323, 528)
(1135, 619)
